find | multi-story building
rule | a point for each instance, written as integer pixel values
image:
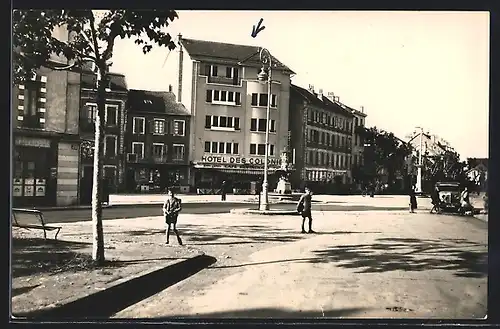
(321, 138)
(114, 117)
(358, 143)
(157, 140)
(218, 85)
(45, 137)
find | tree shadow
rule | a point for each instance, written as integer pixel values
(466, 258)
(266, 313)
(36, 255)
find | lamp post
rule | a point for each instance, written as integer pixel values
(418, 187)
(265, 58)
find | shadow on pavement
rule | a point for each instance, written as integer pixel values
(106, 303)
(277, 313)
(37, 255)
(466, 258)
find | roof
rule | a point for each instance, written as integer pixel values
(155, 101)
(228, 52)
(323, 103)
(117, 81)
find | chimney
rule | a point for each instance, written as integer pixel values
(337, 99)
(169, 88)
(181, 61)
(331, 96)
(362, 109)
(311, 89)
(320, 94)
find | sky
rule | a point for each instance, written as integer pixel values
(407, 69)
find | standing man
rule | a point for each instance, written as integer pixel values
(223, 190)
(171, 208)
(304, 209)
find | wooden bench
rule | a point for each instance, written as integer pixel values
(36, 214)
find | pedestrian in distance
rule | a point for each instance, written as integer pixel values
(413, 199)
(304, 209)
(223, 190)
(171, 208)
(435, 200)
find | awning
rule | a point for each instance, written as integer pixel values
(240, 170)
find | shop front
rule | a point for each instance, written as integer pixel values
(157, 178)
(35, 172)
(240, 173)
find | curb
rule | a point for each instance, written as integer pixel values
(147, 204)
(276, 212)
(124, 293)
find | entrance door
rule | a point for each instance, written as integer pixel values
(86, 185)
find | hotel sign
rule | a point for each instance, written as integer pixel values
(232, 160)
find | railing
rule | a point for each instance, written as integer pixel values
(224, 80)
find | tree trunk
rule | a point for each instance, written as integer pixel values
(97, 229)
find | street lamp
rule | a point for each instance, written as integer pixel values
(265, 58)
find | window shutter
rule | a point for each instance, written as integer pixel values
(208, 121)
(237, 123)
(207, 69)
(214, 69)
(238, 98)
(209, 96)
(172, 127)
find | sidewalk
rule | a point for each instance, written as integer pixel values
(58, 276)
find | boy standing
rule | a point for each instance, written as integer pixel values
(171, 208)
(304, 209)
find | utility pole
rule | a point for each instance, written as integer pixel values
(418, 187)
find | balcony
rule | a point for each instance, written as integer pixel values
(133, 158)
(224, 80)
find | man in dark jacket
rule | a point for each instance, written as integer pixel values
(304, 208)
(223, 190)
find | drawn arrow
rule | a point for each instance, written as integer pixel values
(259, 28)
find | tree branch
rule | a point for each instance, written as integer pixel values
(94, 36)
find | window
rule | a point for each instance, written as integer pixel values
(255, 98)
(231, 72)
(178, 152)
(328, 139)
(261, 149)
(179, 127)
(158, 150)
(222, 121)
(263, 100)
(110, 146)
(311, 156)
(221, 147)
(262, 125)
(223, 96)
(159, 126)
(109, 172)
(138, 148)
(327, 160)
(322, 158)
(111, 116)
(138, 126)
(271, 149)
(91, 112)
(253, 149)
(274, 101)
(253, 125)
(213, 71)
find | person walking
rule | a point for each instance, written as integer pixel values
(223, 190)
(171, 208)
(413, 199)
(304, 209)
